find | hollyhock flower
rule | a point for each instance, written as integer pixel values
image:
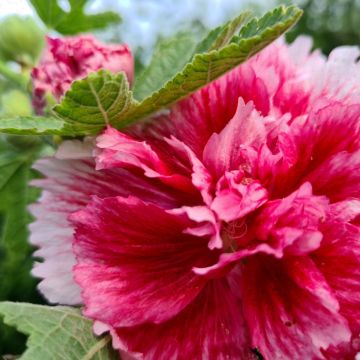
(226, 226)
(70, 58)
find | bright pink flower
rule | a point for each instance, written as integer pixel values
(228, 224)
(71, 58)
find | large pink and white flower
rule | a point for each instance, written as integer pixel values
(228, 224)
(71, 58)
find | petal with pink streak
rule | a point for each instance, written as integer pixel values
(116, 149)
(292, 223)
(288, 226)
(349, 350)
(211, 328)
(291, 311)
(339, 77)
(70, 181)
(339, 260)
(101, 328)
(236, 197)
(222, 151)
(200, 176)
(306, 145)
(338, 177)
(118, 239)
(330, 130)
(206, 223)
(345, 211)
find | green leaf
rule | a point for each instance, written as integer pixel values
(35, 125)
(74, 21)
(14, 191)
(100, 99)
(49, 12)
(103, 98)
(169, 57)
(15, 253)
(78, 23)
(220, 36)
(57, 333)
(208, 66)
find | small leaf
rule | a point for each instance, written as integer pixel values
(74, 21)
(35, 125)
(57, 333)
(100, 99)
(49, 12)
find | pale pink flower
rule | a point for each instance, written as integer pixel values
(228, 224)
(70, 58)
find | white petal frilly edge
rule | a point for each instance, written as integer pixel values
(51, 232)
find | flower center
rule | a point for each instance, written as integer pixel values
(232, 235)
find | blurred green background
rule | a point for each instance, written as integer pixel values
(23, 25)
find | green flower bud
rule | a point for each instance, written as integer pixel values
(21, 40)
(15, 103)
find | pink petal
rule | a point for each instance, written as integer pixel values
(339, 260)
(222, 151)
(282, 227)
(118, 150)
(70, 181)
(157, 256)
(200, 176)
(51, 232)
(235, 198)
(211, 327)
(338, 178)
(293, 223)
(291, 311)
(206, 223)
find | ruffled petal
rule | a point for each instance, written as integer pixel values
(305, 146)
(283, 227)
(211, 328)
(291, 312)
(338, 177)
(237, 196)
(118, 150)
(138, 258)
(338, 258)
(51, 232)
(70, 181)
(222, 151)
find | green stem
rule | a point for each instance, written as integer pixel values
(13, 76)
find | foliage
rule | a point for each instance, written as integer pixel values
(103, 98)
(330, 23)
(75, 20)
(56, 332)
(16, 282)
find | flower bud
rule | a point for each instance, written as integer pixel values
(21, 40)
(71, 58)
(15, 103)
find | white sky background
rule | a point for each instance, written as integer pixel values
(20, 7)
